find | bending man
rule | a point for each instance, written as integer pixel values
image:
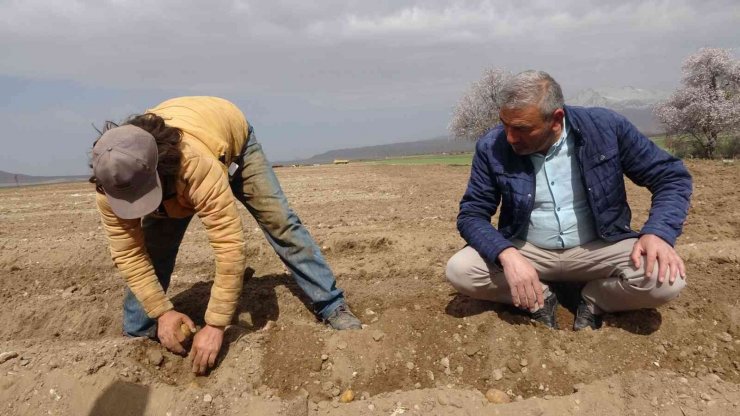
(187, 156)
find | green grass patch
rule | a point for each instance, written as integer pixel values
(456, 159)
(659, 140)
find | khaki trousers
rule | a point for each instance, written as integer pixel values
(612, 283)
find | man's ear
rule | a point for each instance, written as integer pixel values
(558, 116)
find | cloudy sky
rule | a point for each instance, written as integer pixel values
(316, 76)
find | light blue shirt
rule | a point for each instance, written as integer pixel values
(561, 217)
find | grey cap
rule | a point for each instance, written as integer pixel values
(125, 165)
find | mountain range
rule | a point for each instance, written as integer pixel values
(634, 103)
(436, 145)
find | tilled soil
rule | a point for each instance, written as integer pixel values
(387, 232)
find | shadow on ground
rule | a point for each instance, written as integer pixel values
(121, 399)
(258, 301)
(640, 322)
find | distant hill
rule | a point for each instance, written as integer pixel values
(420, 147)
(10, 179)
(634, 103)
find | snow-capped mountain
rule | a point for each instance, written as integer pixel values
(634, 103)
(616, 98)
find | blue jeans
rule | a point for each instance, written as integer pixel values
(255, 185)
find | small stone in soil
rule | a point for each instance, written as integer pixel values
(496, 396)
(7, 356)
(347, 396)
(724, 336)
(512, 365)
(471, 350)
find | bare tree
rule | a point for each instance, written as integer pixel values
(707, 106)
(477, 110)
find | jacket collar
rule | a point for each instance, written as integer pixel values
(573, 115)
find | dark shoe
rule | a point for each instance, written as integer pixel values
(585, 318)
(546, 314)
(343, 318)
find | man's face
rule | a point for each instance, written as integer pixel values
(528, 132)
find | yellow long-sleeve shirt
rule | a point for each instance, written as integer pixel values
(213, 133)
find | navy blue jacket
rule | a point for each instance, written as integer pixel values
(607, 146)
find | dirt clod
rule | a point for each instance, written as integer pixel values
(155, 357)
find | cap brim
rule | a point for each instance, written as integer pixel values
(141, 206)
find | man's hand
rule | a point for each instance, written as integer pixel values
(206, 345)
(655, 248)
(526, 289)
(168, 330)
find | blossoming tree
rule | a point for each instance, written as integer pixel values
(707, 106)
(477, 110)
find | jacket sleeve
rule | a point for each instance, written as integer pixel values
(128, 251)
(478, 205)
(665, 176)
(207, 188)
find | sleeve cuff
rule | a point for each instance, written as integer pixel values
(161, 309)
(667, 237)
(217, 319)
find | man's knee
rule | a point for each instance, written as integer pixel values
(658, 294)
(467, 272)
(666, 291)
(458, 268)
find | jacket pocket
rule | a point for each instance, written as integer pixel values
(605, 166)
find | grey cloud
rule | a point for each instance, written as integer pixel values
(319, 62)
(261, 46)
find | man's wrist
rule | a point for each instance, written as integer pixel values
(164, 313)
(506, 255)
(219, 327)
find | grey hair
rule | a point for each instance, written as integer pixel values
(532, 88)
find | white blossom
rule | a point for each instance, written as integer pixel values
(477, 110)
(707, 106)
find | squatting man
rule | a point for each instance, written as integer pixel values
(557, 173)
(188, 156)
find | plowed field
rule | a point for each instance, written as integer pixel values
(387, 232)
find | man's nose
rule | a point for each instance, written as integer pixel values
(511, 138)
